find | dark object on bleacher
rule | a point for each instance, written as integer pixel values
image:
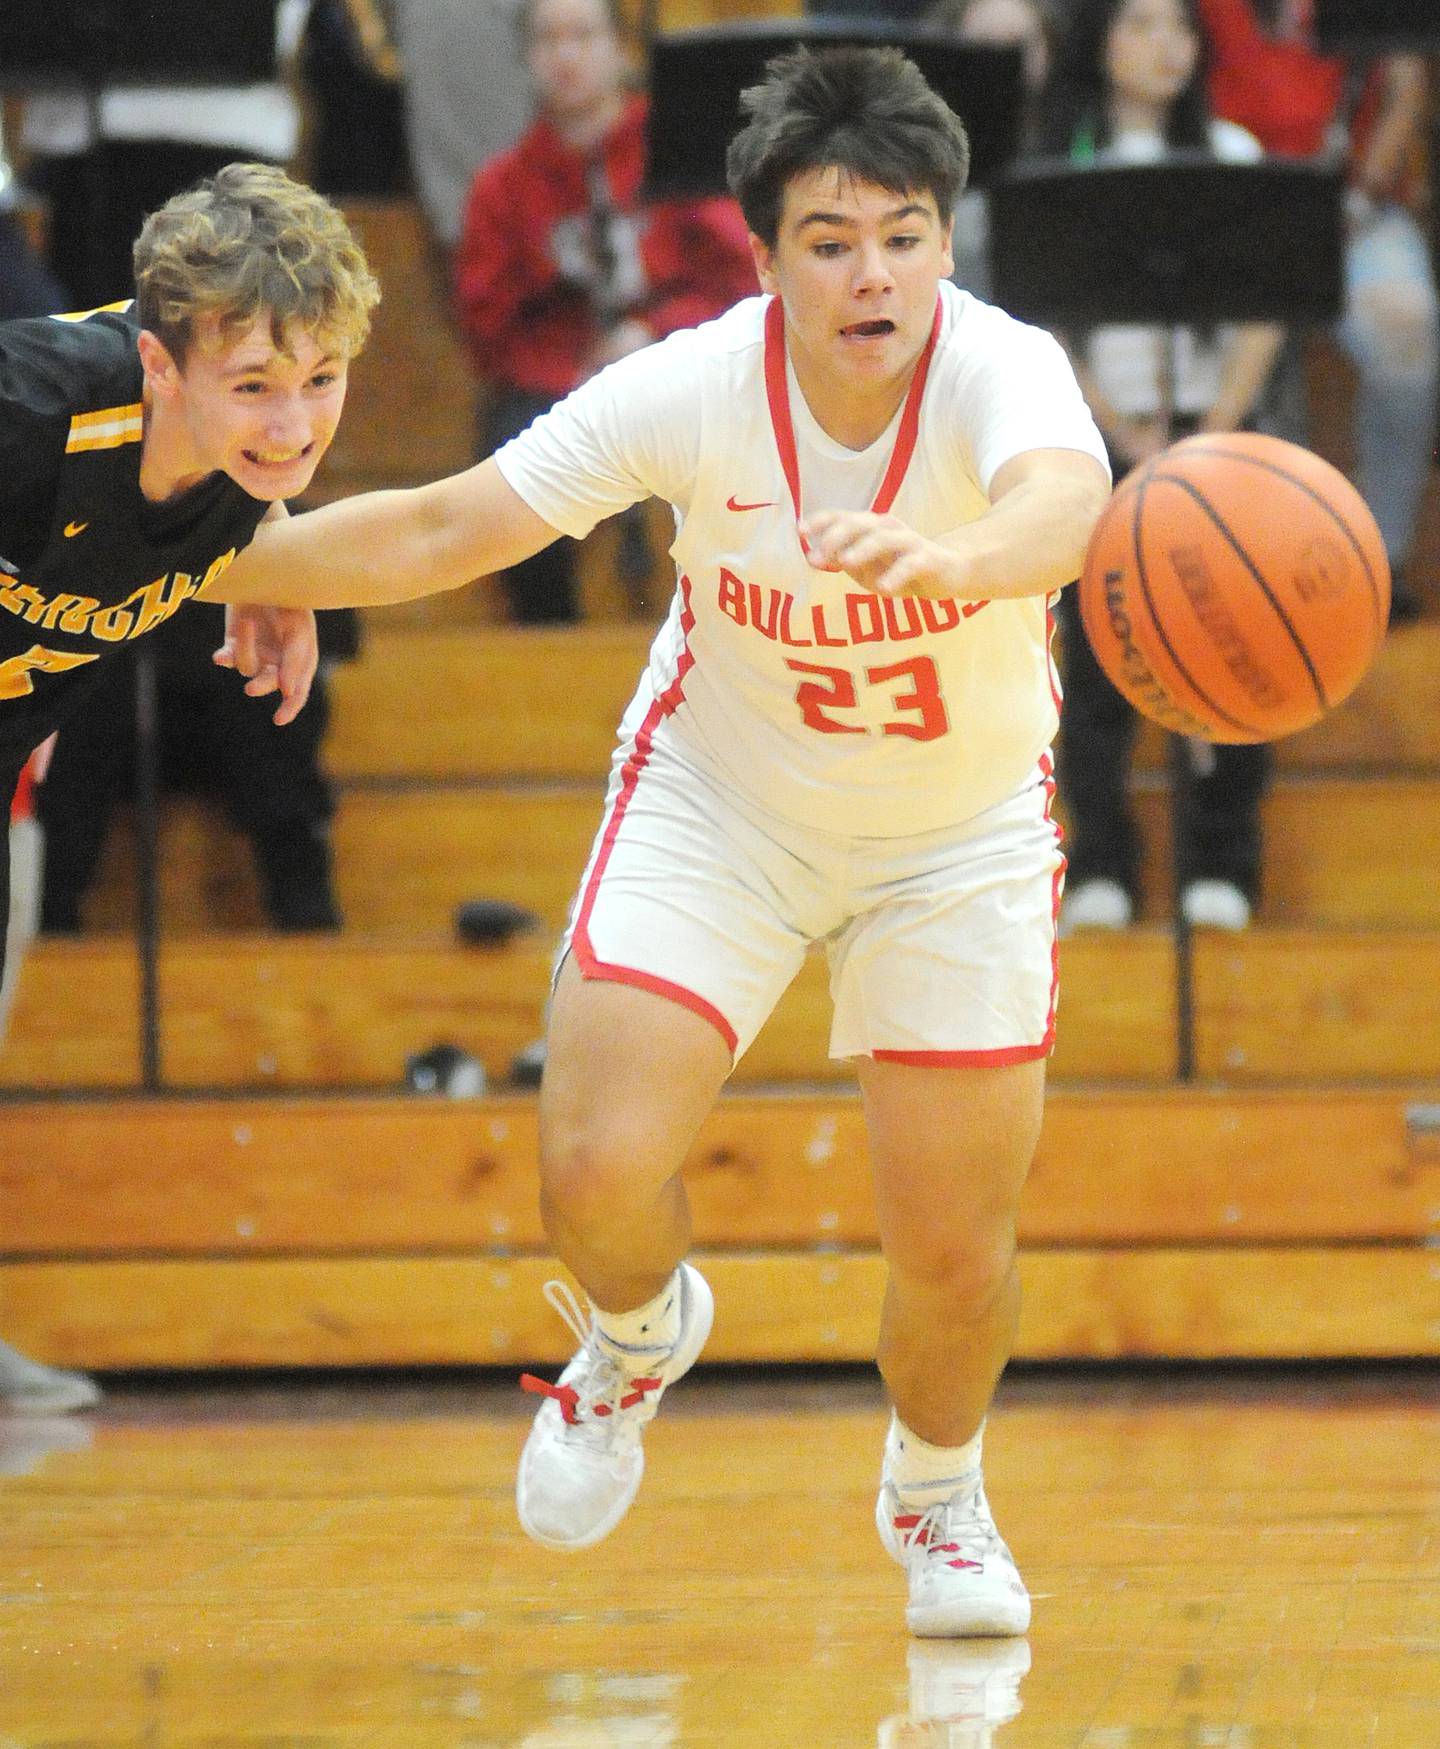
(528, 1066)
(492, 922)
(447, 1071)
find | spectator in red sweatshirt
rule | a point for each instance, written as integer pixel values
(1267, 75)
(561, 269)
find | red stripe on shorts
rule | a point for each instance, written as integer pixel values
(591, 966)
(964, 1059)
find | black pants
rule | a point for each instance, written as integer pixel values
(212, 737)
(1097, 734)
(542, 590)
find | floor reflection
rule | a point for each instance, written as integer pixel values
(293, 1566)
(26, 1441)
(961, 1693)
(636, 1712)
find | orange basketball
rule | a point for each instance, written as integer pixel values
(1236, 587)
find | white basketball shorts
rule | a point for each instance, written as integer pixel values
(942, 946)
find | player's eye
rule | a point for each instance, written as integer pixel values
(829, 248)
(325, 379)
(905, 240)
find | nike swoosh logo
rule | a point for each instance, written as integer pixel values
(74, 528)
(730, 504)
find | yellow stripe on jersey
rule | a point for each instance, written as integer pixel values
(85, 315)
(106, 429)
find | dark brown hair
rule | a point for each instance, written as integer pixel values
(865, 111)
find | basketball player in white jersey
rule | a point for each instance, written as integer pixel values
(842, 735)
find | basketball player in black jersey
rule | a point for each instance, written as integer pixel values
(141, 446)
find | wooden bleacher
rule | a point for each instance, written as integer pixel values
(288, 1204)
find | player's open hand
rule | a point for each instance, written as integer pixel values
(276, 649)
(881, 553)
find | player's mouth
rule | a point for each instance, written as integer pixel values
(876, 329)
(277, 458)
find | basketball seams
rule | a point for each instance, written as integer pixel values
(1255, 461)
(1136, 526)
(1209, 509)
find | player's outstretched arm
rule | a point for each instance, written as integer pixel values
(380, 547)
(1044, 504)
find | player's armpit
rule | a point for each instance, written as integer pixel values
(380, 547)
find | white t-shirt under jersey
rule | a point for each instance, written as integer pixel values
(822, 702)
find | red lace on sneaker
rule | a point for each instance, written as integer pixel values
(569, 1398)
(919, 1524)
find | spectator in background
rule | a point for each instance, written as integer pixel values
(152, 141)
(465, 98)
(352, 74)
(1029, 25)
(1268, 76)
(1032, 27)
(27, 287)
(561, 270)
(1129, 86)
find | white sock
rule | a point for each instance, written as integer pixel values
(650, 1330)
(922, 1472)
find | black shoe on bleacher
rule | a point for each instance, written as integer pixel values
(492, 922)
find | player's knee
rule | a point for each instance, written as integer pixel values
(587, 1172)
(969, 1272)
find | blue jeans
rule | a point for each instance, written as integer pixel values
(1391, 333)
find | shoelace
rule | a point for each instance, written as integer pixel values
(931, 1530)
(608, 1391)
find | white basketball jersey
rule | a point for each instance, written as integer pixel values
(827, 704)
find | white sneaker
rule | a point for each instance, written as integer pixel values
(583, 1461)
(1215, 905)
(1096, 904)
(28, 1387)
(960, 1694)
(963, 1579)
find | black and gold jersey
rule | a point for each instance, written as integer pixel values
(86, 562)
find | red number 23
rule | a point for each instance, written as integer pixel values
(834, 690)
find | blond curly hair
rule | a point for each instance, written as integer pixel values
(247, 243)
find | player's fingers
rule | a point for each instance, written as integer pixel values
(298, 661)
(905, 576)
(243, 644)
(224, 657)
(825, 535)
(265, 679)
(869, 549)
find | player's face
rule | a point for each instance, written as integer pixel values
(1151, 51)
(261, 414)
(857, 268)
(574, 56)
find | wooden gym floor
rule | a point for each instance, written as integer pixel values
(1221, 1559)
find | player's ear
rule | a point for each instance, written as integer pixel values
(162, 372)
(764, 264)
(947, 247)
